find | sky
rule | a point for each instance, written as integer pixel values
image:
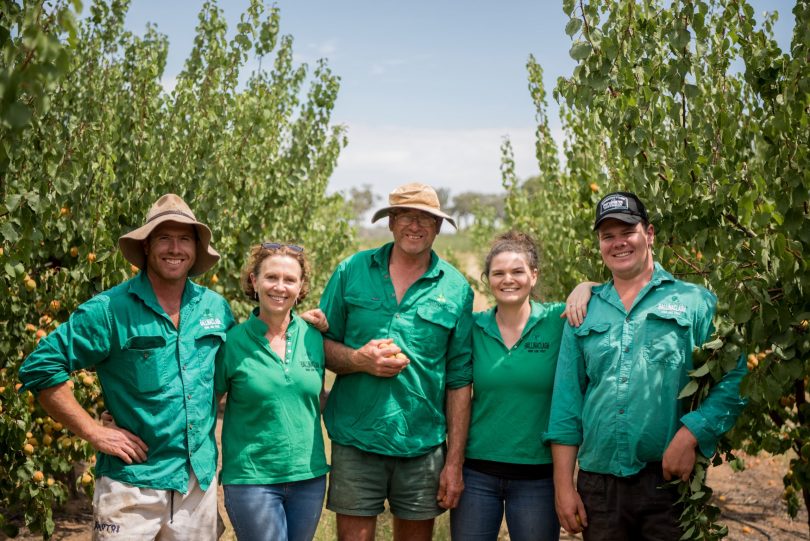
(429, 88)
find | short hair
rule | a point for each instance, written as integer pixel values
(257, 256)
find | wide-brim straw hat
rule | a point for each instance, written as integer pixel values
(169, 208)
(414, 196)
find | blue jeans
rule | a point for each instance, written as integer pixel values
(285, 511)
(529, 506)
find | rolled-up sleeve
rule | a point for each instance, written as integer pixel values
(459, 350)
(565, 421)
(81, 342)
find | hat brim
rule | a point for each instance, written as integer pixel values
(385, 211)
(131, 244)
(621, 216)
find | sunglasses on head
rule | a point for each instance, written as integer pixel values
(278, 246)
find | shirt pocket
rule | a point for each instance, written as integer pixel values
(145, 361)
(595, 344)
(206, 344)
(432, 326)
(665, 339)
(362, 319)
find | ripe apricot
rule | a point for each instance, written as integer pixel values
(91, 257)
(74, 252)
(28, 449)
(87, 479)
(38, 477)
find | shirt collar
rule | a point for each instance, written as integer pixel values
(141, 287)
(486, 320)
(382, 256)
(258, 328)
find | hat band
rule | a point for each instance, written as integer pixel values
(165, 212)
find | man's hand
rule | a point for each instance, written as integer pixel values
(378, 358)
(679, 458)
(451, 484)
(112, 440)
(317, 319)
(570, 510)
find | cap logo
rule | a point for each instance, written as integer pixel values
(618, 202)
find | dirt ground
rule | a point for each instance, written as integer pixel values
(750, 502)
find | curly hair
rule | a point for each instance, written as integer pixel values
(512, 241)
(257, 256)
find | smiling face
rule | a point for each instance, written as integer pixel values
(171, 250)
(510, 278)
(414, 231)
(626, 249)
(277, 284)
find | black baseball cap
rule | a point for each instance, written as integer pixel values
(623, 206)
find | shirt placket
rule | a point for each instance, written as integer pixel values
(622, 391)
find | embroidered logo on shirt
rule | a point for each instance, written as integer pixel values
(536, 347)
(671, 307)
(209, 321)
(441, 298)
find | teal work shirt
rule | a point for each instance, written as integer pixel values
(271, 432)
(512, 387)
(157, 380)
(402, 415)
(619, 375)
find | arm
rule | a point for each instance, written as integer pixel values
(375, 358)
(570, 509)
(451, 481)
(60, 404)
(576, 305)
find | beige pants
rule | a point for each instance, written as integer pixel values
(122, 511)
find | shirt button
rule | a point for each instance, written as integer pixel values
(626, 349)
(624, 380)
(621, 411)
(188, 396)
(397, 316)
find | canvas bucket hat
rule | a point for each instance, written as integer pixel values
(169, 208)
(415, 196)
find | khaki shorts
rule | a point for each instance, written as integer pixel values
(360, 482)
(123, 511)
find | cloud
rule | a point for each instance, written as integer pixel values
(458, 159)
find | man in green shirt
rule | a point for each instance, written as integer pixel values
(389, 417)
(152, 341)
(615, 404)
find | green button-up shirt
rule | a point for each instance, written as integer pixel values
(402, 415)
(512, 387)
(157, 380)
(619, 375)
(271, 432)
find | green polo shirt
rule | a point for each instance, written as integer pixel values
(512, 387)
(619, 375)
(402, 415)
(271, 432)
(157, 380)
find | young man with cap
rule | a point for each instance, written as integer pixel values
(152, 341)
(399, 341)
(615, 405)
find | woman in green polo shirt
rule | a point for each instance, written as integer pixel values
(507, 470)
(272, 366)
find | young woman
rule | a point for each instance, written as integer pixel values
(507, 470)
(272, 367)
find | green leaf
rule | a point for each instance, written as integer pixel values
(573, 26)
(689, 389)
(9, 233)
(580, 50)
(18, 115)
